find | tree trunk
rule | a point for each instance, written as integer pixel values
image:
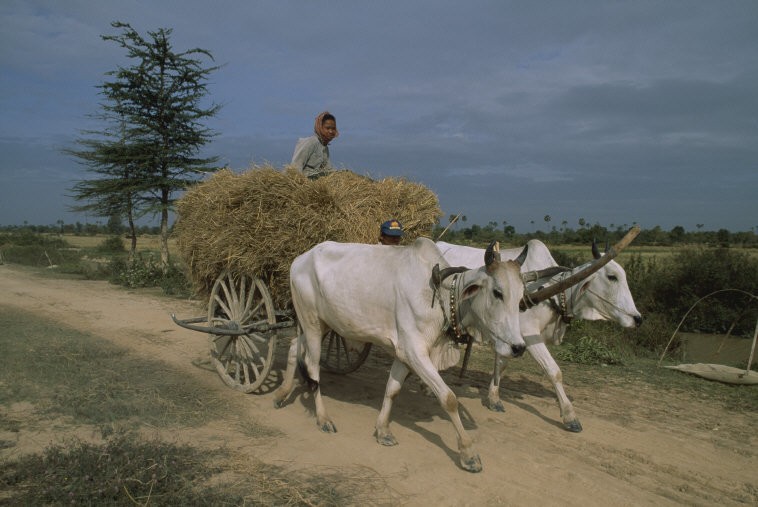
(132, 231)
(164, 230)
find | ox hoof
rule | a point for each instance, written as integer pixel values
(497, 407)
(472, 464)
(573, 426)
(386, 439)
(278, 403)
(328, 427)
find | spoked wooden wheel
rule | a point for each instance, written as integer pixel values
(342, 356)
(239, 303)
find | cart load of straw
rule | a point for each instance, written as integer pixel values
(257, 222)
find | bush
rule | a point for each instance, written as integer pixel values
(588, 350)
(567, 260)
(112, 244)
(671, 287)
(145, 272)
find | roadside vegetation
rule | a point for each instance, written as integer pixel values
(86, 382)
(665, 279)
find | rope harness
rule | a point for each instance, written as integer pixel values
(451, 311)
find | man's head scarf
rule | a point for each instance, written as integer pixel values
(319, 127)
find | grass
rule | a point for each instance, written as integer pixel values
(63, 372)
(77, 375)
(145, 242)
(127, 470)
(634, 370)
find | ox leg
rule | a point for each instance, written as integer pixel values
(398, 374)
(288, 382)
(468, 457)
(540, 353)
(493, 395)
(311, 360)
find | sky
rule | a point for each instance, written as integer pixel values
(616, 112)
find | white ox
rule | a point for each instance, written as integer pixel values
(387, 295)
(604, 295)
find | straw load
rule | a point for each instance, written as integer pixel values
(257, 222)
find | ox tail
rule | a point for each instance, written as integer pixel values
(303, 371)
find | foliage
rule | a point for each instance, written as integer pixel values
(149, 147)
(144, 271)
(112, 245)
(670, 287)
(478, 235)
(31, 249)
(587, 350)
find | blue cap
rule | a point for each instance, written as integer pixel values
(392, 228)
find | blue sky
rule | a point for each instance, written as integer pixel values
(615, 112)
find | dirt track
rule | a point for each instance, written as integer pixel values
(639, 446)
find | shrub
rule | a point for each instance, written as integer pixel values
(146, 272)
(670, 288)
(568, 260)
(588, 350)
(112, 244)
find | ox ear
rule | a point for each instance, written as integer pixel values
(522, 256)
(492, 255)
(470, 291)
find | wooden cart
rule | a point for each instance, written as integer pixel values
(243, 327)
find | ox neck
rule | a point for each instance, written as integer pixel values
(565, 302)
(454, 308)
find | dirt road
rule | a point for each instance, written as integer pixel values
(640, 446)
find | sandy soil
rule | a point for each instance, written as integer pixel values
(639, 446)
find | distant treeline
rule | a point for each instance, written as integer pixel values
(476, 234)
(479, 234)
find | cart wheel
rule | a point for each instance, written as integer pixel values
(242, 361)
(342, 356)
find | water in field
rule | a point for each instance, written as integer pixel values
(717, 349)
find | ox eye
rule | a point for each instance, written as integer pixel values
(498, 294)
(613, 278)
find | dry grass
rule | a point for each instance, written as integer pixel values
(257, 222)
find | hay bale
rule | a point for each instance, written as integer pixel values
(257, 222)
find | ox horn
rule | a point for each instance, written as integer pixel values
(522, 256)
(492, 254)
(596, 251)
(532, 298)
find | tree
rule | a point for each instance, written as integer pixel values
(109, 156)
(677, 234)
(157, 103)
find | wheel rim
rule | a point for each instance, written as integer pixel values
(342, 356)
(243, 361)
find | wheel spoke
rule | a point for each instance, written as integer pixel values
(232, 292)
(226, 345)
(254, 311)
(247, 373)
(248, 312)
(223, 306)
(250, 344)
(343, 344)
